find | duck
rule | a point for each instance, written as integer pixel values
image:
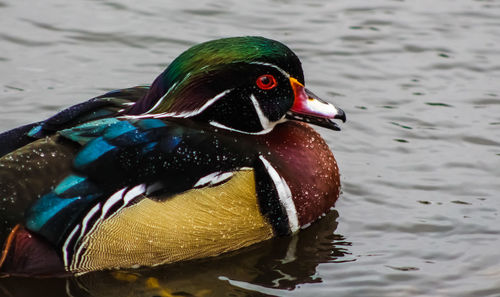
(217, 154)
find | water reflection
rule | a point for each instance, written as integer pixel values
(263, 269)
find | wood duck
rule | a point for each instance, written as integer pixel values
(214, 156)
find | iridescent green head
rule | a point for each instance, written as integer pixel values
(245, 84)
(233, 50)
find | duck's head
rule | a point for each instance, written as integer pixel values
(243, 84)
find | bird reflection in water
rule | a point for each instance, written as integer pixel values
(263, 269)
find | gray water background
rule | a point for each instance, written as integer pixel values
(419, 155)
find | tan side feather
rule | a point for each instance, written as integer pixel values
(195, 224)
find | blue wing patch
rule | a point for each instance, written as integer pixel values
(35, 131)
(52, 216)
(118, 129)
(147, 124)
(115, 154)
(92, 151)
(68, 183)
(88, 131)
(44, 209)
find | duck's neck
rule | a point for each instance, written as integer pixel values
(304, 160)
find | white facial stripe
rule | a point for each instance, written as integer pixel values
(219, 125)
(284, 195)
(264, 121)
(267, 125)
(194, 112)
(185, 114)
(272, 65)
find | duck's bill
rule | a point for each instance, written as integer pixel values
(309, 108)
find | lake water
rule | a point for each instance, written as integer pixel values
(419, 155)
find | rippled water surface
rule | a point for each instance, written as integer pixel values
(419, 155)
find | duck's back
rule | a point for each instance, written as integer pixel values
(33, 159)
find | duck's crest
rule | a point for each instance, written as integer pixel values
(202, 58)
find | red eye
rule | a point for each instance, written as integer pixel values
(266, 82)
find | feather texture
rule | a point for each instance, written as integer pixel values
(198, 223)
